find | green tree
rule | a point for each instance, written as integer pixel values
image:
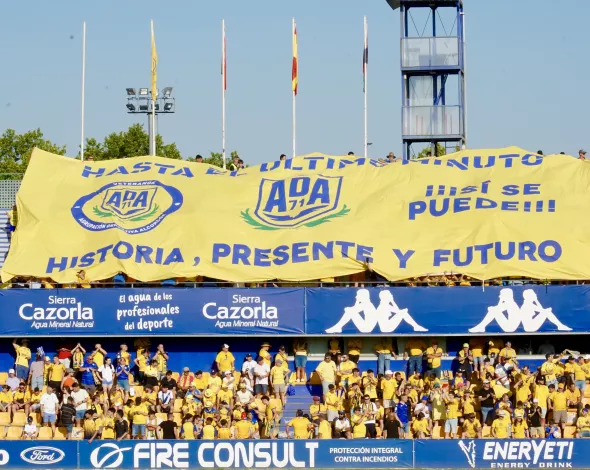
(134, 142)
(216, 158)
(441, 150)
(15, 151)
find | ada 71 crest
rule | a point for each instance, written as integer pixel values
(297, 201)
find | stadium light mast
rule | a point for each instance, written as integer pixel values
(140, 102)
(433, 74)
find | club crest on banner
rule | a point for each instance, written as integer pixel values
(133, 207)
(299, 201)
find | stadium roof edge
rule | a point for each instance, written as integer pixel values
(395, 4)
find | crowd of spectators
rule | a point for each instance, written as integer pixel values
(92, 395)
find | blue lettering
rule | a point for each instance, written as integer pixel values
(175, 256)
(509, 205)
(508, 159)
(477, 162)
(281, 255)
(460, 165)
(469, 189)
(415, 208)
(276, 198)
(52, 264)
(501, 256)
(321, 191)
(510, 190)
(73, 262)
(115, 199)
(86, 260)
(483, 203)
(483, 249)
(141, 167)
(103, 253)
(441, 256)
(275, 165)
(289, 165)
(241, 253)
(299, 187)
(87, 171)
(531, 189)
(122, 250)
(526, 250)
(364, 253)
(120, 170)
(468, 258)
(313, 161)
(300, 252)
(261, 257)
(403, 257)
(443, 210)
(159, 255)
(532, 160)
(326, 250)
(143, 253)
(550, 244)
(461, 204)
(163, 168)
(220, 250)
(345, 246)
(141, 200)
(184, 171)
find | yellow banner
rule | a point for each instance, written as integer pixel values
(484, 213)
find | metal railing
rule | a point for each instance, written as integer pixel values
(424, 121)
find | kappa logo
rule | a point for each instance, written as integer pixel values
(112, 459)
(133, 207)
(469, 451)
(294, 202)
(366, 317)
(509, 316)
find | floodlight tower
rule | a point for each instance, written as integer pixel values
(433, 74)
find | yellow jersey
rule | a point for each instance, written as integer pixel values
(541, 394)
(56, 372)
(137, 417)
(300, 427)
(501, 426)
(23, 354)
(471, 427)
(420, 425)
(518, 429)
(243, 429)
(388, 387)
(359, 430)
(325, 430)
(452, 408)
(225, 361)
(436, 361)
(583, 423)
(559, 400)
(162, 362)
(224, 433)
(277, 375)
(327, 370)
(415, 347)
(188, 430)
(208, 432)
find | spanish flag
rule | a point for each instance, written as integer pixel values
(294, 71)
(154, 65)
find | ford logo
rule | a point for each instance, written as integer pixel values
(42, 455)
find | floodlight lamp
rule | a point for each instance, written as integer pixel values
(168, 107)
(167, 92)
(143, 107)
(143, 92)
(130, 107)
(130, 91)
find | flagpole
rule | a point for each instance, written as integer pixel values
(223, 86)
(153, 136)
(366, 66)
(294, 93)
(83, 88)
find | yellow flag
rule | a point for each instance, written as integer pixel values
(154, 66)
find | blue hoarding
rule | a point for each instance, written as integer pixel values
(29, 454)
(141, 312)
(298, 311)
(449, 311)
(248, 454)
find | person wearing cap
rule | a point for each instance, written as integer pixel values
(300, 349)
(582, 154)
(185, 380)
(413, 353)
(433, 356)
(415, 380)
(465, 358)
(485, 396)
(316, 408)
(214, 382)
(225, 360)
(326, 371)
(423, 407)
(301, 426)
(283, 356)
(558, 403)
(384, 352)
(583, 424)
(494, 347)
(23, 356)
(345, 368)
(264, 354)
(501, 425)
(388, 388)
(228, 381)
(278, 379)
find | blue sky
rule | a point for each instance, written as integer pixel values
(528, 69)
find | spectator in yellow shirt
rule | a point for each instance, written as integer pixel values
(345, 370)
(476, 345)
(471, 427)
(576, 372)
(501, 425)
(558, 403)
(359, 429)
(384, 352)
(434, 354)
(452, 409)
(414, 351)
(334, 349)
(354, 349)
(277, 378)
(283, 356)
(549, 369)
(23, 356)
(300, 348)
(324, 428)
(264, 354)
(332, 402)
(508, 352)
(388, 388)
(301, 426)
(573, 397)
(327, 373)
(583, 425)
(225, 360)
(369, 383)
(520, 430)
(421, 427)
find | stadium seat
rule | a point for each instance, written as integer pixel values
(572, 414)
(178, 418)
(60, 434)
(45, 433)
(162, 416)
(3, 377)
(569, 432)
(486, 431)
(4, 418)
(175, 376)
(14, 433)
(19, 419)
(438, 432)
(3, 432)
(36, 418)
(206, 376)
(177, 405)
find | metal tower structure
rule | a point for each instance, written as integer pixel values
(433, 74)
